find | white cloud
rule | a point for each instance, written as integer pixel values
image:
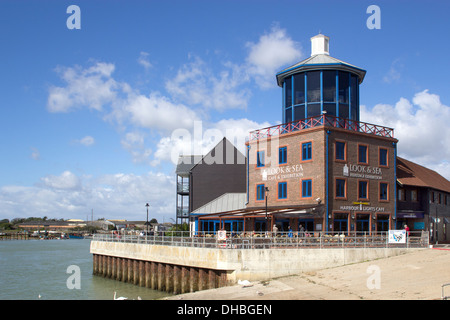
(157, 112)
(203, 137)
(35, 154)
(87, 141)
(67, 180)
(421, 126)
(196, 84)
(393, 74)
(119, 196)
(134, 143)
(143, 60)
(273, 51)
(92, 87)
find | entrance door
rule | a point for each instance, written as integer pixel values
(340, 222)
(362, 223)
(308, 225)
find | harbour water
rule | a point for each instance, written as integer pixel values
(54, 269)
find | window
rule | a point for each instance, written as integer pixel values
(282, 190)
(306, 151)
(341, 189)
(362, 154)
(383, 157)
(414, 195)
(340, 153)
(299, 89)
(282, 155)
(384, 191)
(260, 159)
(288, 88)
(306, 188)
(363, 190)
(260, 192)
(401, 194)
(313, 85)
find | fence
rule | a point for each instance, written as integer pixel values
(268, 240)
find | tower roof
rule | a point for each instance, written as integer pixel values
(320, 59)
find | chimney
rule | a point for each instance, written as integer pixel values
(320, 45)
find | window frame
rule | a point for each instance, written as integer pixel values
(258, 161)
(367, 189)
(263, 186)
(302, 159)
(336, 189)
(282, 183)
(336, 149)
(367, 153)
(387, 191)
(301, 188)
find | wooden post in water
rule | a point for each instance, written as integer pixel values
(153, 275)
(185, 277)
(176, 279)
(169, 278)
(147, 274)
(141, 273)
(161, 277)
(202, 279)
(130, 271)
(194, 279)
(124, 270)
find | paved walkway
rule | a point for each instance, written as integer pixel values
(415, 275)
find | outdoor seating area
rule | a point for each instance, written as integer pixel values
(270, 240)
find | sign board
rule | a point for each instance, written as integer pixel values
(397, 236)
(221, 235)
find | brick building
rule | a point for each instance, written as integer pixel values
(321, 169)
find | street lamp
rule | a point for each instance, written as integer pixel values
(147, 205)
(266, 192)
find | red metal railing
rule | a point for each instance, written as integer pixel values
(319, 121)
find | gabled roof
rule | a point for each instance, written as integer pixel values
(413, 174)
(186, 163)
(320, 62)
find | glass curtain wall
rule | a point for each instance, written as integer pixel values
(308, 94)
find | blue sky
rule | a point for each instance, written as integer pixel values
(88, 115)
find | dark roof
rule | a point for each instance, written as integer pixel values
(186, 163)
(413, 174)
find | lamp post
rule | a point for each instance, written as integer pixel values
(266, 192)
(147, 205)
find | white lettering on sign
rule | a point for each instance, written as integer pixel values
(361, 171)
(281, 173)
(358, 208)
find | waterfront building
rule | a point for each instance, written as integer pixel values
(201, 179)
(321, 169)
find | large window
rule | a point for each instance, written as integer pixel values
(313, 86)
(299, 88)
(307, 188)
(311, 93)
(306, 151)
(282, 190)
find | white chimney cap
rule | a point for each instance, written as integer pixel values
(320, 45)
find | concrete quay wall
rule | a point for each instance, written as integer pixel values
(186, 269)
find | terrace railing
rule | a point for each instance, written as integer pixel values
(269, 240)
(319, 121)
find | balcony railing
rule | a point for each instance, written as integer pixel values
(322, 121)
(183, 212)
(182, 187)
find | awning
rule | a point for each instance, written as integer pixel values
(410, 214)
(304, 211)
